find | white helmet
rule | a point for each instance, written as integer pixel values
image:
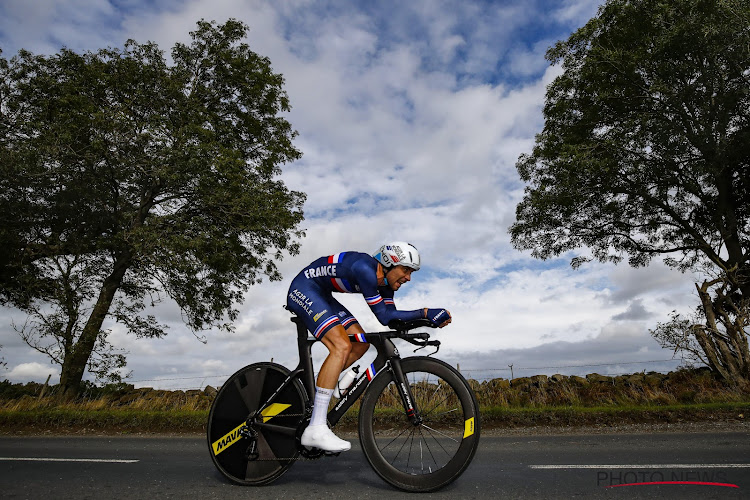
(398, 253)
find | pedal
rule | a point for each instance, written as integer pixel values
(310, 453)
(332, 453)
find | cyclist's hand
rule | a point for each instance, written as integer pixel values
(438, 317)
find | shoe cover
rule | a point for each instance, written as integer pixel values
(321, 437)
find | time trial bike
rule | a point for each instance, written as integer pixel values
(418, 418)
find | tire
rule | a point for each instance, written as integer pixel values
(433, 454)
(243, 393)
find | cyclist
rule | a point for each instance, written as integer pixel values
(310, 296)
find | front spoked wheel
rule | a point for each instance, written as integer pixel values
(252, 454)
(430, 455)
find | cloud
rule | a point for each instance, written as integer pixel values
(636, 311)
(411, 117)
(33, 372)
(576, 12)
(628, 283)
(44, 26)
(617, 350)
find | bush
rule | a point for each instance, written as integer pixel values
(9, 390)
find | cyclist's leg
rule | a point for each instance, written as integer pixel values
(319, 311)
(322, 315)
(352, 326)
(339, 350)
(327, 320)
(358, 348)
(317, 434)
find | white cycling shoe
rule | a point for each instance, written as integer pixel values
(321, 437)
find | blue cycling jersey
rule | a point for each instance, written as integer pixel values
(310, 294)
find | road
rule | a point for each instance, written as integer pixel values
(558, 466)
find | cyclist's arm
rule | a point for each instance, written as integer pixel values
(384, 309)
(438, 317)
(381, 304)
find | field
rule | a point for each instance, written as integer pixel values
(557, 401)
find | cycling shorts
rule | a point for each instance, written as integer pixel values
(317, 307)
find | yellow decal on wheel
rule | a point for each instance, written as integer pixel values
(469, 427)
(273, 410)
(234, 435)
(229, 439)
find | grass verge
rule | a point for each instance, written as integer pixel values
(106, 421)
(132, 421)
(572, 416)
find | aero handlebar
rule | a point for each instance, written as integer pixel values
(420, 339)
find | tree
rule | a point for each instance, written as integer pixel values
(644, 152)
(124, 179)
(718, 342)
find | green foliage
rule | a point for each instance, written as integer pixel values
(124, 178)
(10, 391)
(644, 153)
(90, 390)
(677, 334)
(644, 149)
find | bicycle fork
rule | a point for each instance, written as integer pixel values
(402, 384)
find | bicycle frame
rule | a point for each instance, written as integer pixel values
(387, 359)
(257, 420)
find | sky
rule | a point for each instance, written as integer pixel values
(411, 117)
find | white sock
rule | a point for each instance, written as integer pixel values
(320, 406)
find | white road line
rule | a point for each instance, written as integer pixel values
(643, 466)
(94, 460)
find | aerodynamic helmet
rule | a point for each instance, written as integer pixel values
(398, 253)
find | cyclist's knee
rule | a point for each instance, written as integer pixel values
(337, 341)
(343, 348)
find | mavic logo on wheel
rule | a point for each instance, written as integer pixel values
(235, 434)
(228, 440)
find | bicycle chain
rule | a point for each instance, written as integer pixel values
(320, 454)
(295, 459)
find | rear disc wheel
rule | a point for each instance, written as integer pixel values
(254, 455)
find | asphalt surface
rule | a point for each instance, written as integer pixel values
(657, 465)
